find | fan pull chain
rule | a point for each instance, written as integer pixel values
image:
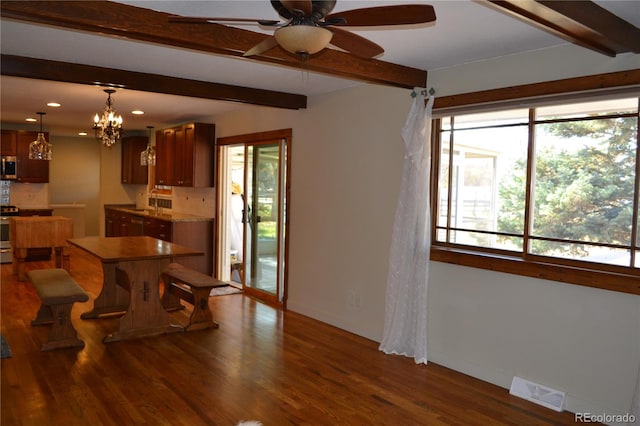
(303, 68)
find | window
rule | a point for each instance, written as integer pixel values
(552, 184)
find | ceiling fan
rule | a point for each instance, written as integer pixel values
(310, 26)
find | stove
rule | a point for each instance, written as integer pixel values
(6, 211)
(9, 211)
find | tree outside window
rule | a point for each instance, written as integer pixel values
(582, 181)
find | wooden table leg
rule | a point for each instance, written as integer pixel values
(57, 254)
(19, 256)
(112, 298)
(169, 300)
(146, 316)
(201, 317)
(62, 258)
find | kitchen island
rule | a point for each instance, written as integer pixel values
(37, 232)
(188, 230)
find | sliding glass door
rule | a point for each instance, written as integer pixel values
(257, 175)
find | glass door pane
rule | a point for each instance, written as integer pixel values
(262, 181)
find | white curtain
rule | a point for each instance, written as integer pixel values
(405, 323)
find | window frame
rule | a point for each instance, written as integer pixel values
(611, 277)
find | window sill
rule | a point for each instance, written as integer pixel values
(621, 282)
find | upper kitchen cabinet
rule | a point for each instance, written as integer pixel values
(185, 155)
(165, 143)
(132, 171)
(8, 142)
(32, 171)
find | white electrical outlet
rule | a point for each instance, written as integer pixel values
(536, 393)
(354, 299)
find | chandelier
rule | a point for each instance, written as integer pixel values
(40, 149)
(148, 156)
(108, 127)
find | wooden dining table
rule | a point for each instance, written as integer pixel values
(132, 268)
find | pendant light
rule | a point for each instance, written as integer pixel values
(40, 149)
(108, 126)
(148, 156)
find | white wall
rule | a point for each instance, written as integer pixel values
(111, 190)
(493, 326)
(345, 174)
(346, 166)
(74, 177)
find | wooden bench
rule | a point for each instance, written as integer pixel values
(58, 292)
(193, 287)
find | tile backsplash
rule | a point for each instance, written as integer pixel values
(29, 195)
(5, 192)
(195, 201)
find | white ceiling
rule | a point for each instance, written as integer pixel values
(465, 31)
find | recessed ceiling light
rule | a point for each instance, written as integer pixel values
(82, 134)
(137, 112)
(31, 119)
(53, 105)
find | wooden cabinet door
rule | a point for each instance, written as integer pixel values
(158, 228)
(117, 223)
(33, 171)
(202, 161)
(8, 142)
(132, 171)
(165, 143)
(110, 223)
(178, 157)
(186, 155)
(122, 225)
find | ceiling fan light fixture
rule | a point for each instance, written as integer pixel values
(303, 39)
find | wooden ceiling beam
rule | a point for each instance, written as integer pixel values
(581, 22)
(42, 69)
(135, 23)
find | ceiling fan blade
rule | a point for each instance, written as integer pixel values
(383, 15)
(263, 46)
(203, 20)
(304, 5)
(354, 43)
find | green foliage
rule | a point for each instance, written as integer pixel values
(582, 193)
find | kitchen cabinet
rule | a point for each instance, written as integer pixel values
(8, 142)
(186, 230)
(165, 143)
(186, 156)
(110, 220)
(132, 171)
(121, 224)
(158, 228)
(29, 171)
(43, 253)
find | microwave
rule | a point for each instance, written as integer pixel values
(9, 167)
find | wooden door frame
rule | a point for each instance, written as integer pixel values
(257, 138)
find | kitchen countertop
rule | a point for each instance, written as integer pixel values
(35, 208)
(150, 212)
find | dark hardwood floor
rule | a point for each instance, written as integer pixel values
(261, 364)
